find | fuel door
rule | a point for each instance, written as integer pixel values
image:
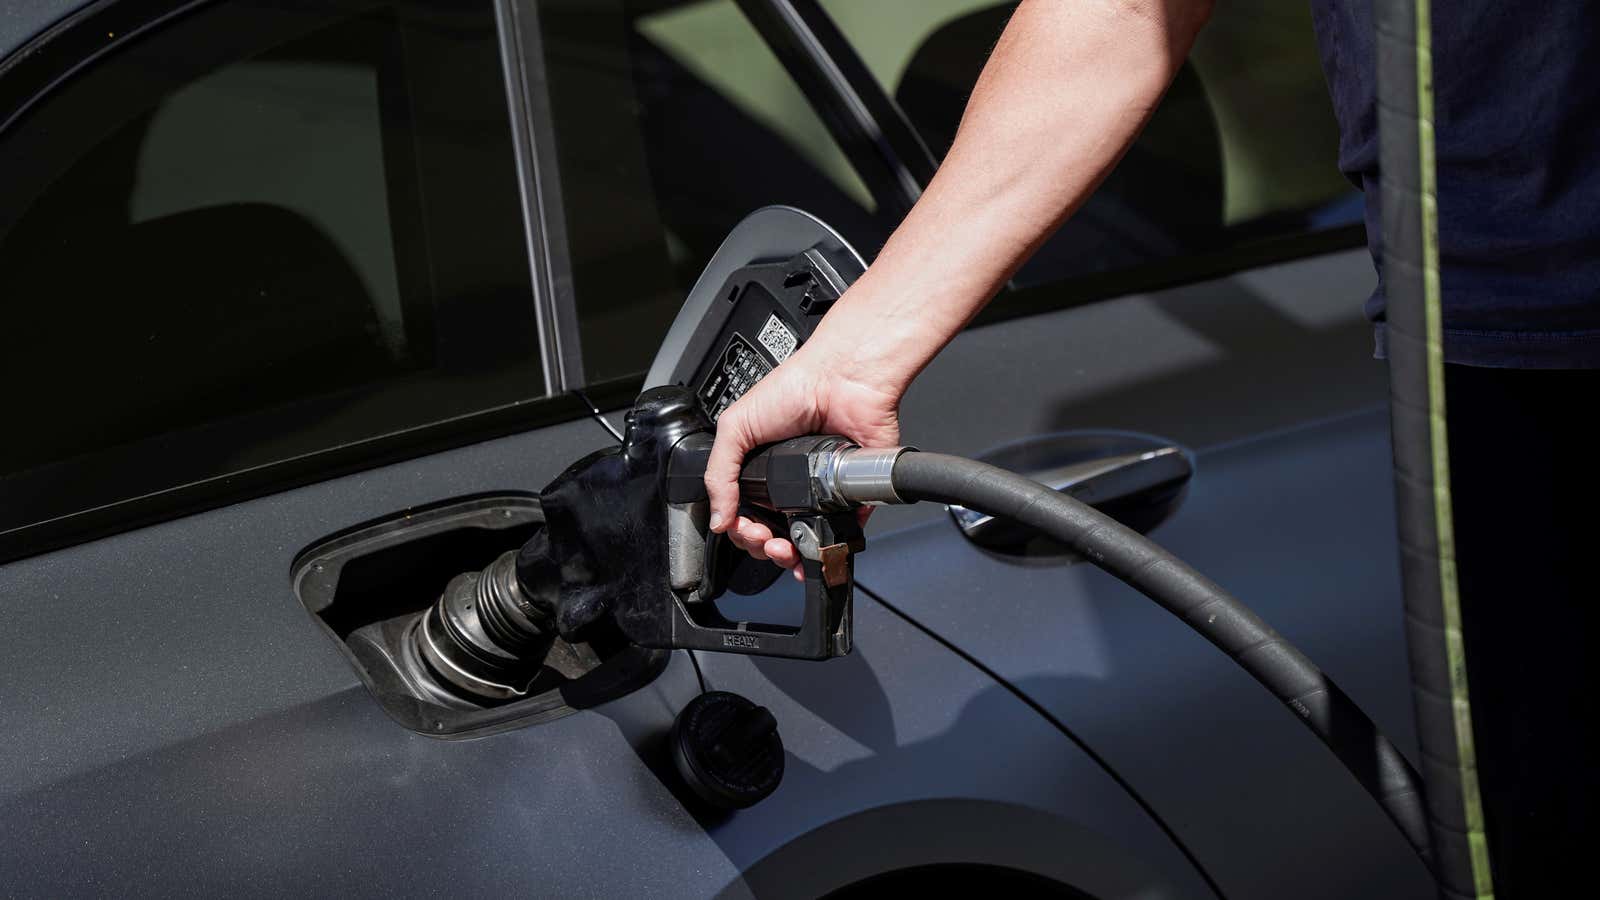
(757, 301)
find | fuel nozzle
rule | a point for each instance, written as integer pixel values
(489, 632)
(629, 525)
(819, 473)
(803, 484)
(625, 547)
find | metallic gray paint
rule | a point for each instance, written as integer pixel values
(176, 724)
(1299, 525)
(1199, 365)
(20, 20)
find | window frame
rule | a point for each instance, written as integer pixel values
(874, 135)
(82, 39)
(863, 119)
(897, 165)
(544, 221)
(825, 37)
(860, 115)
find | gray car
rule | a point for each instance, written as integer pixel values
(305, 300)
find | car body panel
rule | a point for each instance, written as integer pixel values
(1208, 363)
(20, 20)
(176, 723)
(1282, 522)
(1290, 507)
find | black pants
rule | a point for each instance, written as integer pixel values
(1523, 478)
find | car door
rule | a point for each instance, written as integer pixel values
(303, 302)
(1201, 301)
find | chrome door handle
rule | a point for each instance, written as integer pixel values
(1138, 488)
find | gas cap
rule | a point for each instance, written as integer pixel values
(727, 750)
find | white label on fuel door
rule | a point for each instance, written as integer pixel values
(777, 338)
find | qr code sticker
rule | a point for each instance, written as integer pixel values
(777, 338)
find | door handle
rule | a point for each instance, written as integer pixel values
(1138, 485)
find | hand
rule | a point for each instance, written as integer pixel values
(814, 392)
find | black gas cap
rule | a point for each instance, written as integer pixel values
(727, 749)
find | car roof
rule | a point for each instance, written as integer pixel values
(21, 20)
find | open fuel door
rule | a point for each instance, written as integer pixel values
(759, 298)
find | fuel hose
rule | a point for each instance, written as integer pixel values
(1124, 553)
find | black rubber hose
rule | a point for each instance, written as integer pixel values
(1207, 608)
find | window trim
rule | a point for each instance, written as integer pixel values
(544, 223)
(79, 40)
(1013, 302)
(33, 71)
(801, 32)
(864, 120)
(840, 87)
(311, 468)
(1172, 272)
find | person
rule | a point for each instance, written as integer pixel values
(1065, 92)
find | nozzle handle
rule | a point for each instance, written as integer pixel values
(785, 482)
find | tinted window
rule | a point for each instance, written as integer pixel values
(263, 230)
(1243, 146)
(672, 122)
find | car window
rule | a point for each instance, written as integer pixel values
(262, 230)
(1243, 147)
(672, 121)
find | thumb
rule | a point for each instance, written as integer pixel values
(734, 439)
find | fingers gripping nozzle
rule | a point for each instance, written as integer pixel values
(628, 529)
(625, 544)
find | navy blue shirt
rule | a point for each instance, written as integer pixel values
(1517, 131)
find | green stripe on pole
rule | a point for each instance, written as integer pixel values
(1477, 838)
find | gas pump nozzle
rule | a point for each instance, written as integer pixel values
(625, 538)
(627, 530)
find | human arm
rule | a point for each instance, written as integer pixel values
(1064, 94)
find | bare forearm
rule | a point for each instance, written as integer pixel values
(1065, 92)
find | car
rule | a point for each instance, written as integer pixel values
(304, 302)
